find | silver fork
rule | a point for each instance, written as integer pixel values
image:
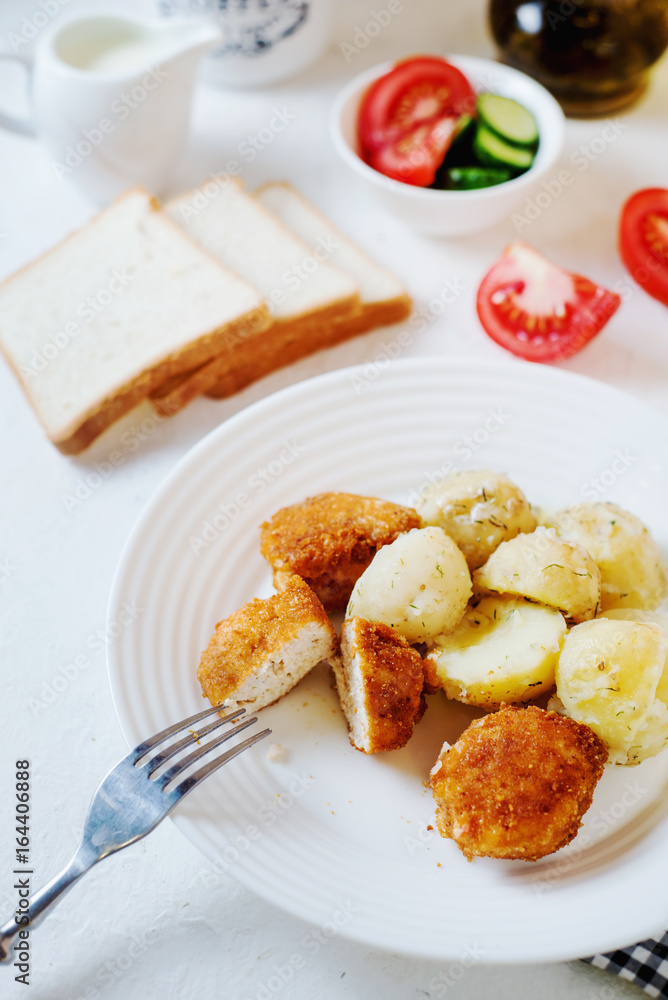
(129, 803)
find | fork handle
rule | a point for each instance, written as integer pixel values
(42, 901)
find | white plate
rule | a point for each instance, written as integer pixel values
(331, 835)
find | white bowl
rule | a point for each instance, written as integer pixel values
(455, 213)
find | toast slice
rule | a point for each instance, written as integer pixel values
(126, 302)
(264, 649)
(305, 295)
(379, 680)
(384, 299)
(383, 296)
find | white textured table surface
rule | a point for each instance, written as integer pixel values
(155, 921)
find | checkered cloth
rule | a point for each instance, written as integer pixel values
(645, 964)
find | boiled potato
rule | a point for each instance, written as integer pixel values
(623, 549)
(479, 509)
(419, 584)
(546, 569)
(653, 734)
(638, 615)
(504, 650)
(608, 676)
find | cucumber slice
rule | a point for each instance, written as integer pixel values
(470, 178)
(492, 151)
(508, 119)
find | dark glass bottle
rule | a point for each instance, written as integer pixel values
(593, 55)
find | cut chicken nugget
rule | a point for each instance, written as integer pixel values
(262, 650)
(517, 783)
(330, 539)
(379, 680)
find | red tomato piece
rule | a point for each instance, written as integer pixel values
(415, 92)
(539, 311)
(415, 156)
(643, 240)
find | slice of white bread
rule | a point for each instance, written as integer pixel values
(304, 295)
(383, 296)
(264, 649)
(384, 299)
(98, 322)
(379, 680)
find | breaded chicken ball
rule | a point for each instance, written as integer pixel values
(516, 783)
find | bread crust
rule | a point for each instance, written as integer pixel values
(174, 393)
(257, 635)
(330, 539)
(114, 406)
(316, 337)
(517, 783)
(391, 695)
(287, 341)
(245, 360)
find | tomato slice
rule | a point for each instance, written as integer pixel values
(415, 156)
(643, 240)
(539, 311)
(415, 92)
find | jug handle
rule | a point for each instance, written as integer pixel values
(25, 125)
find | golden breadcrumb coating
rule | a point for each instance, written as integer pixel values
(381, 683)
(273, 641)
(330, 539)
(517, 783)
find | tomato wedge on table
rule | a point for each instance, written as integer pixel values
(643, 240)
(416, 92)
(539, 311)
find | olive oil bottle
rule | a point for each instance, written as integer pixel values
(593, 55)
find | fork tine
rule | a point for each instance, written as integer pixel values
(193, 737)
(181, 765)
(154, 741)
(194, 779)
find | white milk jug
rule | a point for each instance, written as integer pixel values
(111, 97)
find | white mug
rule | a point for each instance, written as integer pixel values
(264, 41)
(111, 97)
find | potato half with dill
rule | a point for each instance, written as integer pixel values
(479, 509)
(517, 783)
(503, 651)
(611, 674)
(632, 574)
(546, 569)
(419, 585)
